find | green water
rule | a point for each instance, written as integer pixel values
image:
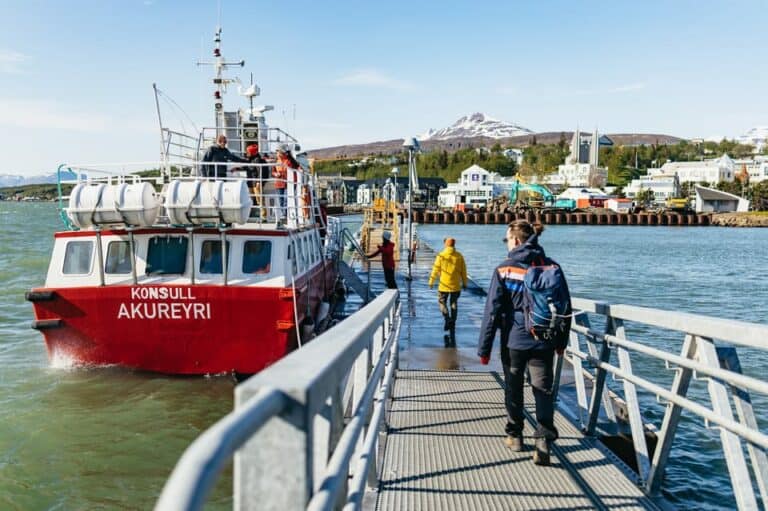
(84, 438)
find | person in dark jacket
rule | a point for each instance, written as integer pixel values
(519, 349)
(387, 251)
(219, 154)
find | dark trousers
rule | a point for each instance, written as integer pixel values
(449, 305)
(540, 364)
(389, 277)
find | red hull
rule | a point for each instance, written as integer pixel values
(200, 329)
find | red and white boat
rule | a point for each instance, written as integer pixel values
(137, 279)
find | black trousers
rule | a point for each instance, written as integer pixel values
(449, 305)
(389, 277)
(540, 366)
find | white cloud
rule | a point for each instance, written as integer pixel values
(10, 61)
(46, 114)
(370, 77)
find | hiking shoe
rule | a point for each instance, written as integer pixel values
(541, 453)
(515, 443)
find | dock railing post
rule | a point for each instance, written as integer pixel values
(732, 448)
(280, 456)
(729, 360)
(616, 327)
(598, 384)
(671, 420)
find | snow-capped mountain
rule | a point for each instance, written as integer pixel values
(476, 125)
(7, 180)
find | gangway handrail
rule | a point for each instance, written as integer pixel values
(292, 445)
(699, 358)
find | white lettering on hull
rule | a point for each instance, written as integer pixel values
(141, 305)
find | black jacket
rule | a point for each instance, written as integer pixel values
(504, 305)
(218, 154)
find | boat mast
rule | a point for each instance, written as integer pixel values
(219, 64)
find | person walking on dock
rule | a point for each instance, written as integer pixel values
(387, 251)
(515, 292)
(452, 271)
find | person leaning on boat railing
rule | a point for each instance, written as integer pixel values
(285, 161)
(219, 153)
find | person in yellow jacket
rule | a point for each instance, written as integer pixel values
(452, 271)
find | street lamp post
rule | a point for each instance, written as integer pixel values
(412, 145)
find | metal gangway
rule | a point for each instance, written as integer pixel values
(340, 424)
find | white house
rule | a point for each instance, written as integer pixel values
(619, 205)
(514, 154)
(707, 171)
(364, 195)
(475, 187)
(664, 186)
(709, 200)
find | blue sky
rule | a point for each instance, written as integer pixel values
(75, 76)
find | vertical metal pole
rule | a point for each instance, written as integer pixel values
(671, 421)
(132, 248)
(598, 384)
(729, 360)
(633, 405)
(411, 170)
(163, 150)
(578, 371)
(190, 230)
(732, 448)
(100, 256)
(224, 268)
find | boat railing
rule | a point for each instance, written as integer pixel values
(288, 200)
(593, 347)
(305, 431)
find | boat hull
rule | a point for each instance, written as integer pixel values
(179, 329)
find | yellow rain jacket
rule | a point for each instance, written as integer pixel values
(449, 264)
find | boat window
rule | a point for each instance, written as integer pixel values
(257, 256)
(210, 257)
(118, 257)
(77, 258)
(167, 255)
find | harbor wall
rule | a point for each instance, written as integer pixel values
(563, 218)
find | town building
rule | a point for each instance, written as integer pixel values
(709, 200)
(585, 197)
(582, 166)
(664, 186)
(756, 168)
(619, 205)
(475, 187)
(705, 171)
(514, 154)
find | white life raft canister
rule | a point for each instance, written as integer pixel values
(206, 202)
(128, 204)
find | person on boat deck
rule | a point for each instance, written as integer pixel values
(219, 154)
(451, 272)
(257, 173)
(280, 172)
(387, 251)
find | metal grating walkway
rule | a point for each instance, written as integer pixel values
(445, 451)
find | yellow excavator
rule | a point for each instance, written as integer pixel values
(680, 204)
